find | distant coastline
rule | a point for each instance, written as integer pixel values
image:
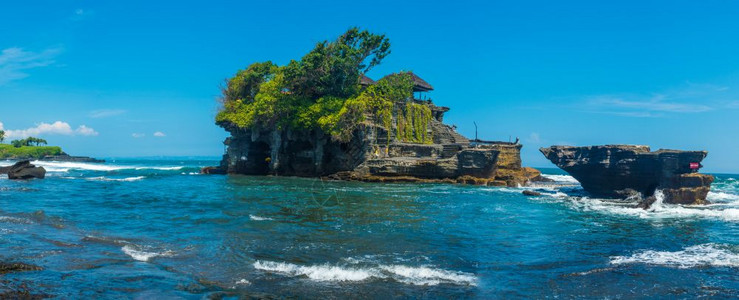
(45, 153)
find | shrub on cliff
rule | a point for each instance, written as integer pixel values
(322, 91)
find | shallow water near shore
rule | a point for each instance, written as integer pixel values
(156, 228)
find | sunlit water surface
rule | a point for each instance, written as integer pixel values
(155, 228)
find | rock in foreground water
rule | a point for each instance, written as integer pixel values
(622, 171)
(23, 170)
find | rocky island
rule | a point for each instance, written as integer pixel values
(321, 116)
(622, 171)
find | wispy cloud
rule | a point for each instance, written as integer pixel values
(138, 135)
(15, 62)
(687, 99)
(104, 113)
(159, 134)
(646, 106)
(534, 138)
(81, 14)
(56, 128)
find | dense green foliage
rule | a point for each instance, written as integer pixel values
(413, 122)
(322, 90)
(28, 142)
(30, 152)
(2, 135)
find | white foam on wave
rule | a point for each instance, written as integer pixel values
(658, 210)
(7, 219)
(713, 255)
(52, 166)
(127, 179)
(721, 197)
(141, 255)
(561, 178)
(258, 218)
(400, 273)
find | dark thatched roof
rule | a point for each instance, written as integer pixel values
(365, 81)
(419, 85)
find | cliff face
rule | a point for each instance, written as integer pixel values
(374, 154)
(617, 171)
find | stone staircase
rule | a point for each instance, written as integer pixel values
(450, 150)
(444, 134)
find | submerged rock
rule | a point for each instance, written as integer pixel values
(23, 170)
(624, 171)
(213, 170)
(17, 267)
(530, 193)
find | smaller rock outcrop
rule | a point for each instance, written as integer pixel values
(213, 170)
(530, 193)
(23, 170)
(64, 157)
(624, 171)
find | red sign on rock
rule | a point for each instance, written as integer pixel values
(695, 166)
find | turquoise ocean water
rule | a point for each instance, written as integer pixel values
(155, 228)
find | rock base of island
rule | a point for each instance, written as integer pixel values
(375, 154)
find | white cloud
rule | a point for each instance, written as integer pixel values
(159, 134)
(534, 138)
(104, 113)
(56, 128)
(138, 135)
(84, 130)
(14, 62)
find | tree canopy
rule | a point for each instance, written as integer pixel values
(29, 141)
(321, 90)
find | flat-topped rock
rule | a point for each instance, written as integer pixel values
(620, 171)
(69, 158)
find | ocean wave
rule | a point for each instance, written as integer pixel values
(721, 197)
(400, 273)
(127, 179)
(258, 218)
(713, 255)
(51, 166)
(141, 255)
(658, 210)
(561, 178)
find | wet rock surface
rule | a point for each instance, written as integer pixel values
(23, 170)
(624, 171)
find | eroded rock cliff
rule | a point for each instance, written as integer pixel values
(374, 154)
(621, 171)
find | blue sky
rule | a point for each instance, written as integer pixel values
(141, 78)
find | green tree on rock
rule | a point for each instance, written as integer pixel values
(322, 91)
